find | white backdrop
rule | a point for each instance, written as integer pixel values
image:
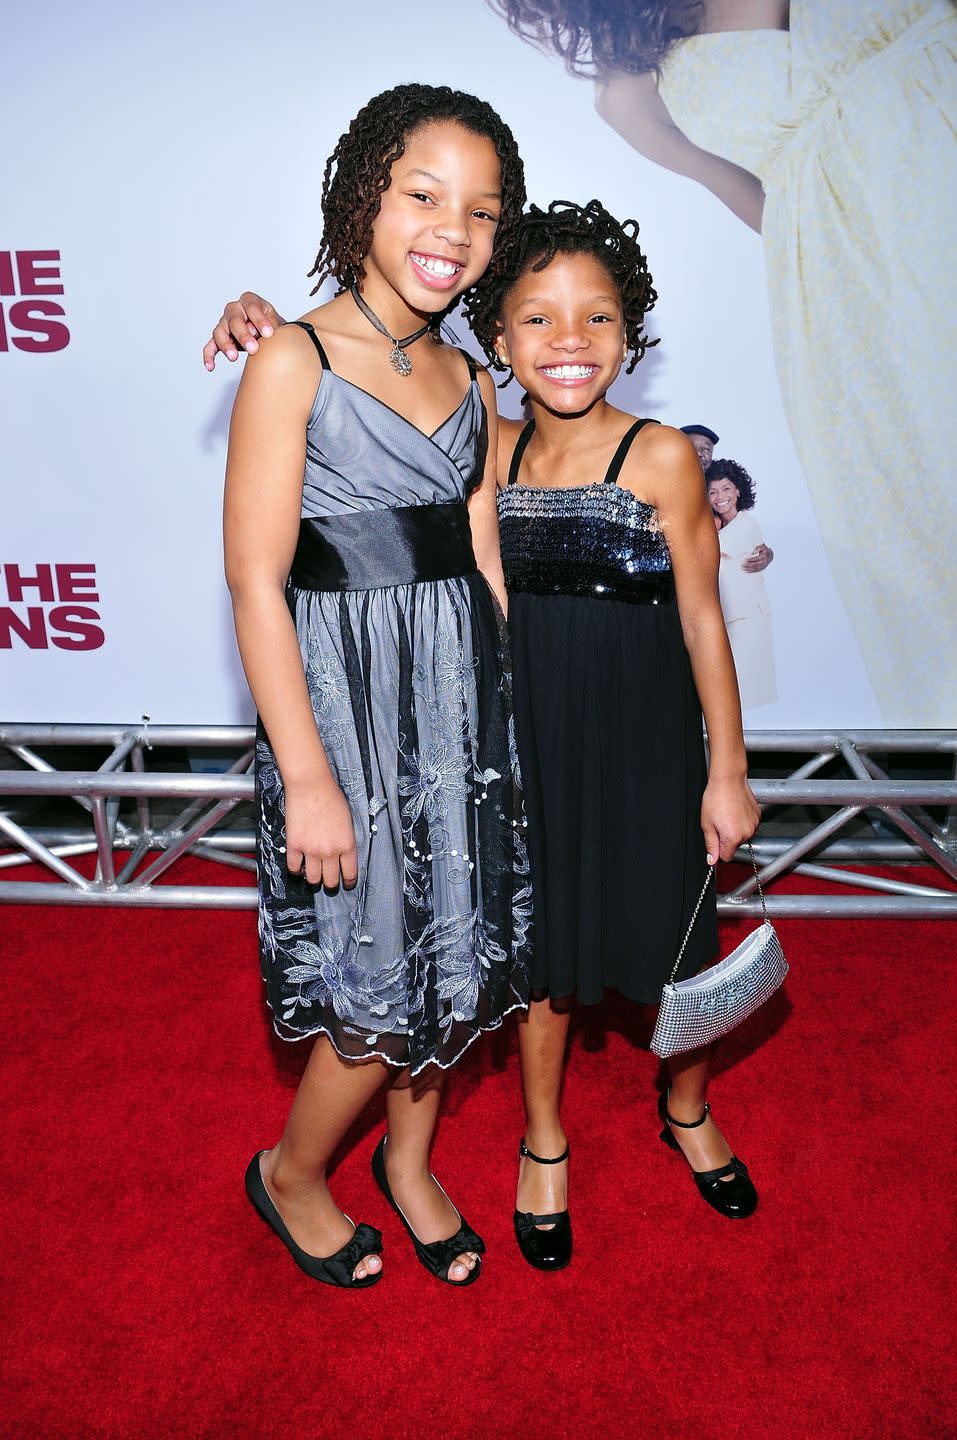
(174, 158)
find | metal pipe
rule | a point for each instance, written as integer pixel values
(143, 816)
(41, 853)
(90, 783)
(104, 844)
(114, 760)
(205, 851)
(19, 857)
(186, 840)
(222, 737)
(868, 882)
(796, 851)
(238, 767)
(864, 794)
(197, 897)
(867, 849)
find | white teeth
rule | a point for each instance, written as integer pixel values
(569, 372)
(445, 269)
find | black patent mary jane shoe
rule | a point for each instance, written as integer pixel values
(549, 1249)
(729, 1189)
(334, 1269)
(438, 1256)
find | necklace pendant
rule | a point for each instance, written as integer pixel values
(400, 361)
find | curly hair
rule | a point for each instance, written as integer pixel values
(739, 477)
(597, 36)
(359, 170)
(565, 229)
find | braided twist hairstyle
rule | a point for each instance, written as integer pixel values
(359, 169)
(594, 37)
(739, 477)
(565, 229)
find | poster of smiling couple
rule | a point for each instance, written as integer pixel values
(793, 169)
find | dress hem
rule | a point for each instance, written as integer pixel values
(543, 993)
(291, 1039)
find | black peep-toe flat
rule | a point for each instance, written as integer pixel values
(439, 1255)
(735, 1196)
(545, 1249)
(334, 1269)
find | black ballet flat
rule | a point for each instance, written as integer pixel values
(439, 1255)
(331, 1269)
(545, 1249)
(735, 1197)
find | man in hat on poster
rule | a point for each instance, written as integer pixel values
(704, 440)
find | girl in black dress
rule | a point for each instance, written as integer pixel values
(610, 560)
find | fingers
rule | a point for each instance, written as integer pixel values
(239, 333)
(329, 871)
(349, 868)
(262, 316)
(712, 844)
(220, 342)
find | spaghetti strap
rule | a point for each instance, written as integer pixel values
(519, 451)
(323, 357)
(618, 459)
(470, 362)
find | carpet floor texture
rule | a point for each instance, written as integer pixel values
(142, 1297)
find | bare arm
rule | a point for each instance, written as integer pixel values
(267, 443)
(672, 481)
(631, 105)
(483, 512)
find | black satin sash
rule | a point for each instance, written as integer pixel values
(370, 549)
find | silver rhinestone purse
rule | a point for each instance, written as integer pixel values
(694, 1012)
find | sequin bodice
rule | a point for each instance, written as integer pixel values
(585, 540)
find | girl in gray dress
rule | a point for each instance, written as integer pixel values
(362, 556)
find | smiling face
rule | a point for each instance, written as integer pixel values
(563, 333)
(434, 232)
(723, 497)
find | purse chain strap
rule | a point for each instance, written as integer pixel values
(704, 891)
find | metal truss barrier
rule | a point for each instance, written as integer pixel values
(118, 807)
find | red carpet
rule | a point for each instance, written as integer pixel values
(142, 1297)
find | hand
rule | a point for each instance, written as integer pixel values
(240, 326)
(759, 559)
(319, 832)
(729, 816)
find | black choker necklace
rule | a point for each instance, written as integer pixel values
(398, 359)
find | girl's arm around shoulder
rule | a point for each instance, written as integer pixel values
(483, 512)
(673, 482)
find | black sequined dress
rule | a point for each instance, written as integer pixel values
(609, 737)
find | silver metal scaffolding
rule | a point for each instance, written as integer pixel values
(128, 818)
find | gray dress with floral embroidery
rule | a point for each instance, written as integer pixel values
(411, 697)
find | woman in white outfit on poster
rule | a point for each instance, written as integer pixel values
(829, 126)
(744, 595)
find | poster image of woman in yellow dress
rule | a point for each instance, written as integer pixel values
(743, 592)
(830, 127)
